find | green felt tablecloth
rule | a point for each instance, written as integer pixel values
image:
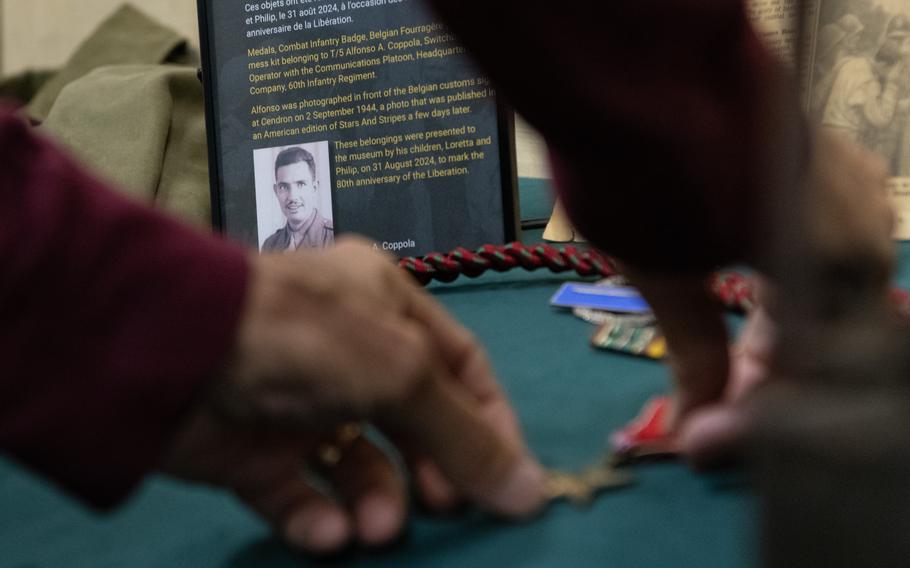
(569, 397)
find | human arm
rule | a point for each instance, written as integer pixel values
(98, 365)
(131, 343)
(652, 111)
(671, 127)
(383, 351)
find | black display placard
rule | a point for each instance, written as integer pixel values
(361, 116)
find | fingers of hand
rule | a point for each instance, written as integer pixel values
(369, 483)
(457, 347)
(695, 330)
(468, 363)
(440, 351)
(370, 275)
(367, 500)
(391, 351)
(305, 517)
(430, 486)
(444, 420)
(746, 374)
(714, 434)
(434, 489)
(758, 337)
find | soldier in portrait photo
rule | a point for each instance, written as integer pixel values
(306, 214)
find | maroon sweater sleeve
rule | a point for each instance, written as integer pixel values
(112, 318)
(651, 108)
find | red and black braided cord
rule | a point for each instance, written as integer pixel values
(461, 261)
(732, 289)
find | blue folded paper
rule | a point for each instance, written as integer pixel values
(619, 299)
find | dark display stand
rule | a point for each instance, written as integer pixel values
(409, 144)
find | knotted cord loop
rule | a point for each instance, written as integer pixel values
(732, 289)
(461, 261)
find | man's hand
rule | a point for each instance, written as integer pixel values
(696, 333)
(343, 335)
(714, 433)
(850, 227)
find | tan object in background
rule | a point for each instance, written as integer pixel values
(2, 35)
(560, 229)
(42, 34)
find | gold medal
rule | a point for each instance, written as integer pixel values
(580, 489)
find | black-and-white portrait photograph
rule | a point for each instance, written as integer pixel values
(294, 197)
(861, 75)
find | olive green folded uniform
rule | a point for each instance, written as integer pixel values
(130, 108)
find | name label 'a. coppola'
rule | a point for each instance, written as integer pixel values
(399, 246)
